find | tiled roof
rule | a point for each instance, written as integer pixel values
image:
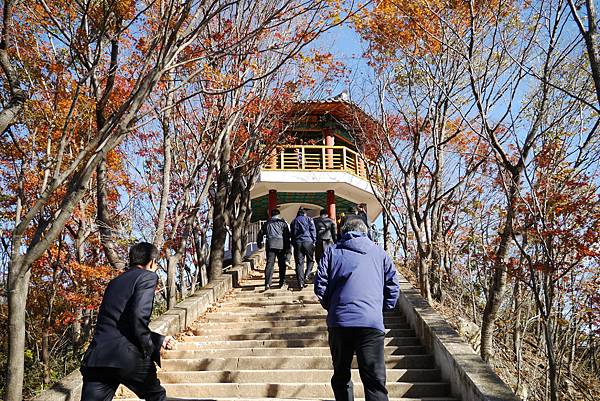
(342, 97)
(342, 108)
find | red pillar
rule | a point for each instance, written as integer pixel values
(329, 141)
(272, 201)
(331, 204)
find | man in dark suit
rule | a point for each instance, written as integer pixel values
(278, 244)
(123, 350)
(326, 234)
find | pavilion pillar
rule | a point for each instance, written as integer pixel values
(329, 141)
(272, 201)
(331, 204)
(272, 160)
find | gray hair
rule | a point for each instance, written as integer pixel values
(355, 224)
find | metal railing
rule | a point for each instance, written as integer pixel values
(317, 158)
(252, 232)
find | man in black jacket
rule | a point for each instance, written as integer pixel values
(278, 245)
(326, 234)
(123, 350)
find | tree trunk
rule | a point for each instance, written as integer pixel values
(200, 248)
(237, 246)
(105, 221)
(435, 274)
(86, 325)
(424, 260)
(76, 331)
(182, 280)
(490, 313)
(17, 96)
(159, 240)
(219, 223)
(219, 232)
(386, 232)
(46, 357)
(238, 242)
(18, 288)
(166, 118)
(516, 337)
(591, 38)
(552, 377)
(172, 262)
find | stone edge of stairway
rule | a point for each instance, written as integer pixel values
(470, 378)
(170, 323)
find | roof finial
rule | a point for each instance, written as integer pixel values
(344, 96)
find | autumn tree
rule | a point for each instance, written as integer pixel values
(79, 40)
(556, 234)
(263, 89)
(420, 91)
(589, 31)
(519, 85)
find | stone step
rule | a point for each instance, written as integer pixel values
(274, 293)
(296, 308)
(272, 312)
(290, 399)
(272, 345)
(311, 351)
(293, 363)
(297, 390)
(280, 300)
(251, 307)
(291, 343)
(308, 321)
(256, 303)
(301, 312)
(221, 316)
(258, 286)
(314, 328)
(290, 376)
(316, 334)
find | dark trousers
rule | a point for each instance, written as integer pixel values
(303, 250)
(281, 255)
(320, 248)
(368, 345)
(100, 384)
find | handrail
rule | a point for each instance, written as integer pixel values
(317, 158)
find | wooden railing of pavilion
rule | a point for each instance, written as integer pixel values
(318, 158)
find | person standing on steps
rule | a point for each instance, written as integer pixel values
(355, 282)
(351, 213)
(278, 244)
(123, 349)
(304, 236)
(326, 234)
(361, 212)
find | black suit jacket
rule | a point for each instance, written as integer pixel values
(326, 230)
(122, 335)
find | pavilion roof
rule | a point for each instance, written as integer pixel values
(341, 108)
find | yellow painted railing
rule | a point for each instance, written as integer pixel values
(316, 158)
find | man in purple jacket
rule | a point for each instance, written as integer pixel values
(304, 235)
(356, 281)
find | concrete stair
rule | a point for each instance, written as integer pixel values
(272, 345)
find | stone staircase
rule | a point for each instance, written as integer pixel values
(273, 345)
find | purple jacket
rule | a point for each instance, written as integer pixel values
(356, 281)
(303, 229)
